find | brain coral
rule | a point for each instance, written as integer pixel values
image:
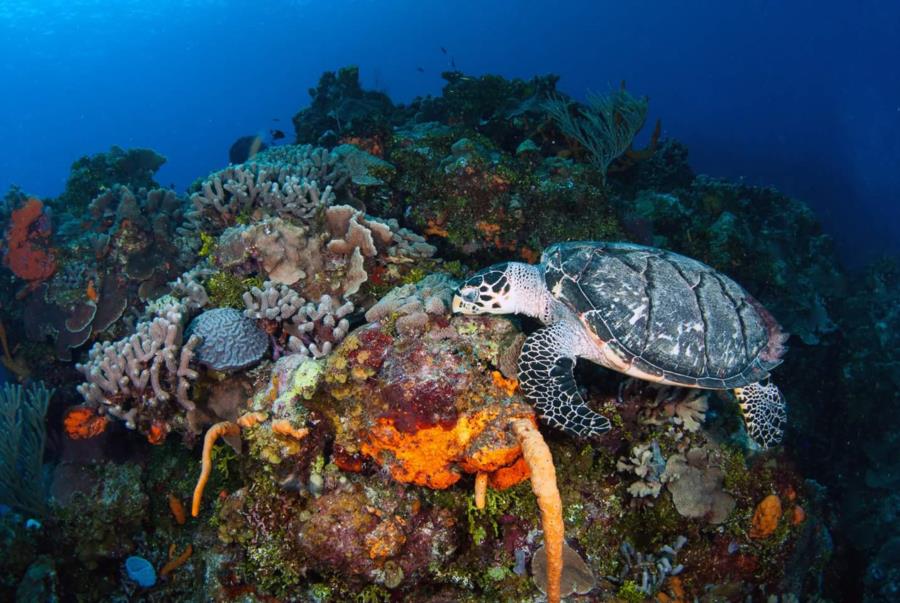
(230, 340)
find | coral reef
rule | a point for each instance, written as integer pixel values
(341, 108)
(354, 449)
(92, 175)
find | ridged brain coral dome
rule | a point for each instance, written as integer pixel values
(230, 340)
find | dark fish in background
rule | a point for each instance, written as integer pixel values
(275, 119)
(444, 50)
(276, 134)
(420, 70)
(245, 147)
(453, 63)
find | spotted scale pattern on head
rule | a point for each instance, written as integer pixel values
(485, 292)
(765, 413)
(507, 288)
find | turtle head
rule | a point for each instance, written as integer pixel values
(488, 291)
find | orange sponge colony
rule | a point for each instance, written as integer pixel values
(438, 456)
(28, 254)
(766, 517)
(82, 422)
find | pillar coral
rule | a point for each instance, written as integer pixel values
(28, 254)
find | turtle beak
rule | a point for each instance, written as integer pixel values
(456, 304)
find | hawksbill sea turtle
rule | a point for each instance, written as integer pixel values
(648, 313)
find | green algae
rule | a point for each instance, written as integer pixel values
(227, 290)
(207, 244)
(373, 593)
(630, 592)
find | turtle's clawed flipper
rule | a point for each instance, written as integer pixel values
(765, 413)
(546, 376)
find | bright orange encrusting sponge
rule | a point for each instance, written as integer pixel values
(82, 422)
(766, 517)
(438, 456)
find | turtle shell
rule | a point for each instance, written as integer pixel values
(664, 315)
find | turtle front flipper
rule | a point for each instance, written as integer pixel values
(547, 378)
(765, 412)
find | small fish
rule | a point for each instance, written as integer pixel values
(420, 70)
(453, 63)
(275, 119)
(444, 50)
(276, 134)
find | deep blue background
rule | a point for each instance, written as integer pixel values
(804, 96)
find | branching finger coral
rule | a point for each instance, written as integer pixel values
(135, 378)
(296, 189)
(308, 328)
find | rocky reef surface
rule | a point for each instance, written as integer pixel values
(261, 392)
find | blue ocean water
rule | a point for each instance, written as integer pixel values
(803, 96)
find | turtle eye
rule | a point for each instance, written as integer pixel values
(469, 295)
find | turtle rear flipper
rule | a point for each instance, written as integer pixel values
(546, 376)
(765, 412)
